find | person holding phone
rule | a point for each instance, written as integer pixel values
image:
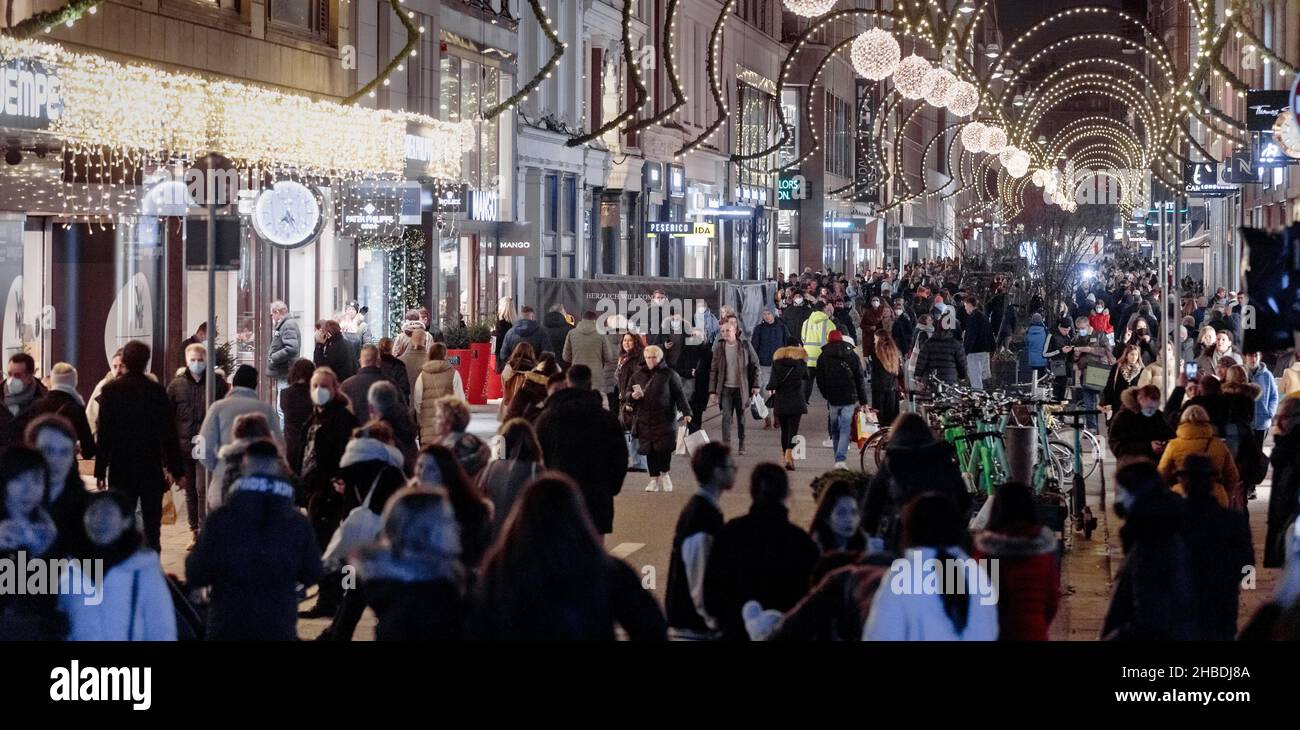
(1058, 351)
(1088, 349)
(655, 400)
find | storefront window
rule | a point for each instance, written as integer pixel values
(759, 124)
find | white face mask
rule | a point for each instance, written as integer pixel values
(798, 300)
(197, 367)
(321, 396)
(16, 386)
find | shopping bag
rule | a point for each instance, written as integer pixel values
(635, 461)
(682, 432)
(695, 441)
(169, 508)
(861, 428)
(758, 409)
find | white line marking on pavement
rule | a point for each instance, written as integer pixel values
(624, 549)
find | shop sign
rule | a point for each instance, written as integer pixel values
(30, 95)
(679, 228)
(918, 232)
(512, 239)
(1269, 154)
(369, 210)
(791, 188)
(484, 205)
(1241, 169)
(1202, 180)
(654, 176)
(452, 200)
(1263, 108)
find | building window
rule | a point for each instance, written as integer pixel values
(570, 205)
(466, 88)
(839, 136)
(759, 126)
(307, 16)
(559, 210)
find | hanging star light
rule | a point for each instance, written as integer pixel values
(809, 8)
(940, 81)
(876, 54)
(993, 140)
(972, 136)
(912, 78)
(962, 98)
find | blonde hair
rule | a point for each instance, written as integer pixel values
(1236, 374)
(196, 347)
(653, 350)
(1194, 414)
(506, 309)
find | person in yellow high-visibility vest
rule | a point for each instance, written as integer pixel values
(816, 331)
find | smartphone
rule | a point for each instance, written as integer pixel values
(636, 388)
(1190, 369)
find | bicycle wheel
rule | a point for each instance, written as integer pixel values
(873, 450)
(1063, 455)
(1092, 454)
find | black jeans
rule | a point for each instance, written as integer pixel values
(612, 397)
(1058, 387)
(731, 401)
(196, 494)
(658, 462)
(151, 510)
(789, 429)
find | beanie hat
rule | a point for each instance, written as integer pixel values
(245, 377)
(63, 374)
(835, 336)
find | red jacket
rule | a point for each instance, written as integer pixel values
(1100, 322)
(1028, 580)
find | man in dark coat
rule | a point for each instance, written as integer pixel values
(1219, 547)
(137, 440)
(556, 328)
(582, 439)
(286, 342)
(21, 393)
(254, 551)
(394, 370)
(758, 557)
(525, 329)
(357, 387)
(795, 315)
(186, 393)
(63, 400)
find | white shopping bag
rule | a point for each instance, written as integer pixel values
(981, 518)
(682, 431)
(695, 441)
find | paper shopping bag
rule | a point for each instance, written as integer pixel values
(695, 441)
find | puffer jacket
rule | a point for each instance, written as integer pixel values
(839, 378)
(1291, 379)
(1028, 581)
(768, 338)
(585, 345)
(789, 372)
(437, 379)
(943, 355)
(1035, 341)
(1267, 400)
(524, 330)
(557, 330)
(1199, 438)
(655, 413)
(1131, 433)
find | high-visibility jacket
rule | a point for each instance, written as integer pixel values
(816, 331)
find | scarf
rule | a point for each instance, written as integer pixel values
(72, 391)
(18, 403)
(1128, 371)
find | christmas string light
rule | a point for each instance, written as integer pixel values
(558, 48)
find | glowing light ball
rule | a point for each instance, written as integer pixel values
(993, 140)
(962, 98)
(912, 77)
(972, 136)
(875, 54)
(1005, 155)
(809, 8)
(940, 80)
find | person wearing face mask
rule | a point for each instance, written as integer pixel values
(1099, 320)
(924, 331)
(1088, 348)
(795, 315)
(189, 408)
(904, 327)
(1152, 595)
(217, 429)
(876, 317)
(26, 528)
(21, 393)
(254, 552)
(63, 400)
(1140, 427)
(327, 434)
(136, 601)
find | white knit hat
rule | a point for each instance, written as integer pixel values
(63, 374)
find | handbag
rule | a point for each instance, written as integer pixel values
(168, 508)
(1095, 377)
(770, 401)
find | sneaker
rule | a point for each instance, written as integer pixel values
(828, 444)
(741, 450)
(653, 486)
(841, 465)
(666, 482)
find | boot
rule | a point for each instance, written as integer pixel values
(789, 459)
(741, 451)
(666, 482)
(194, 540)
(653, 486)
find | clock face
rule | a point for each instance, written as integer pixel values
(288, 214)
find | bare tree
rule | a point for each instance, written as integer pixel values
(1058, 243)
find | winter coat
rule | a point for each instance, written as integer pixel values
(502, 480)
(873, 319)
(584, 345)
(1267, 401)
(1055, 354)
(1028, 580)
(394, 371)
(903, 331)
(746, 366)
(405, 435)
(254, 552)
(625, 371)
(789, 373)
(816, 333)
(612, 343)
(413, 598)
(795, 316)
(1199, 438)
(557, 330)
(840, 376)
(218, 427)
(136, 603)
(1153, 594)
(978, 333)
(910, 470)
(470, 451)
(836, 608)
(357, 389)
(369, 464)
(62, 403)
(337, 355)
(768, 338)
(326, 436)
(1284, 499)
(919, 615)
(286, 346)
(12, 425)
(1291, 380)
(524, 330)
(942, 355)
(413, 360)
(1100, 321)
(582, 439)
(188, 400)
(296, 405)
(654, 415)
(1035, 344)
(1219, 545)
(1131, 433)
(438, 378)
(137, 436)
(229, 460)
(762, 557)
(1118, 383)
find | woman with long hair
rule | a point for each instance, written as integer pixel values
(629, 363)
(438, 467)
(515, 374)
(1125, 374)
(837, 523)
(548, 577)
(333, 350)
(505, 320)
(886, 370)
(531, 393)
(66, 495)
(786, 384)
(520, 463)
(27, 529)
(933, 533)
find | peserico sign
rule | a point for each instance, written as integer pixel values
(679, 228)
(31, 96)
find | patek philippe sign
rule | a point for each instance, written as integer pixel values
(1263, 108)
(368, 210)
(31, 95)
